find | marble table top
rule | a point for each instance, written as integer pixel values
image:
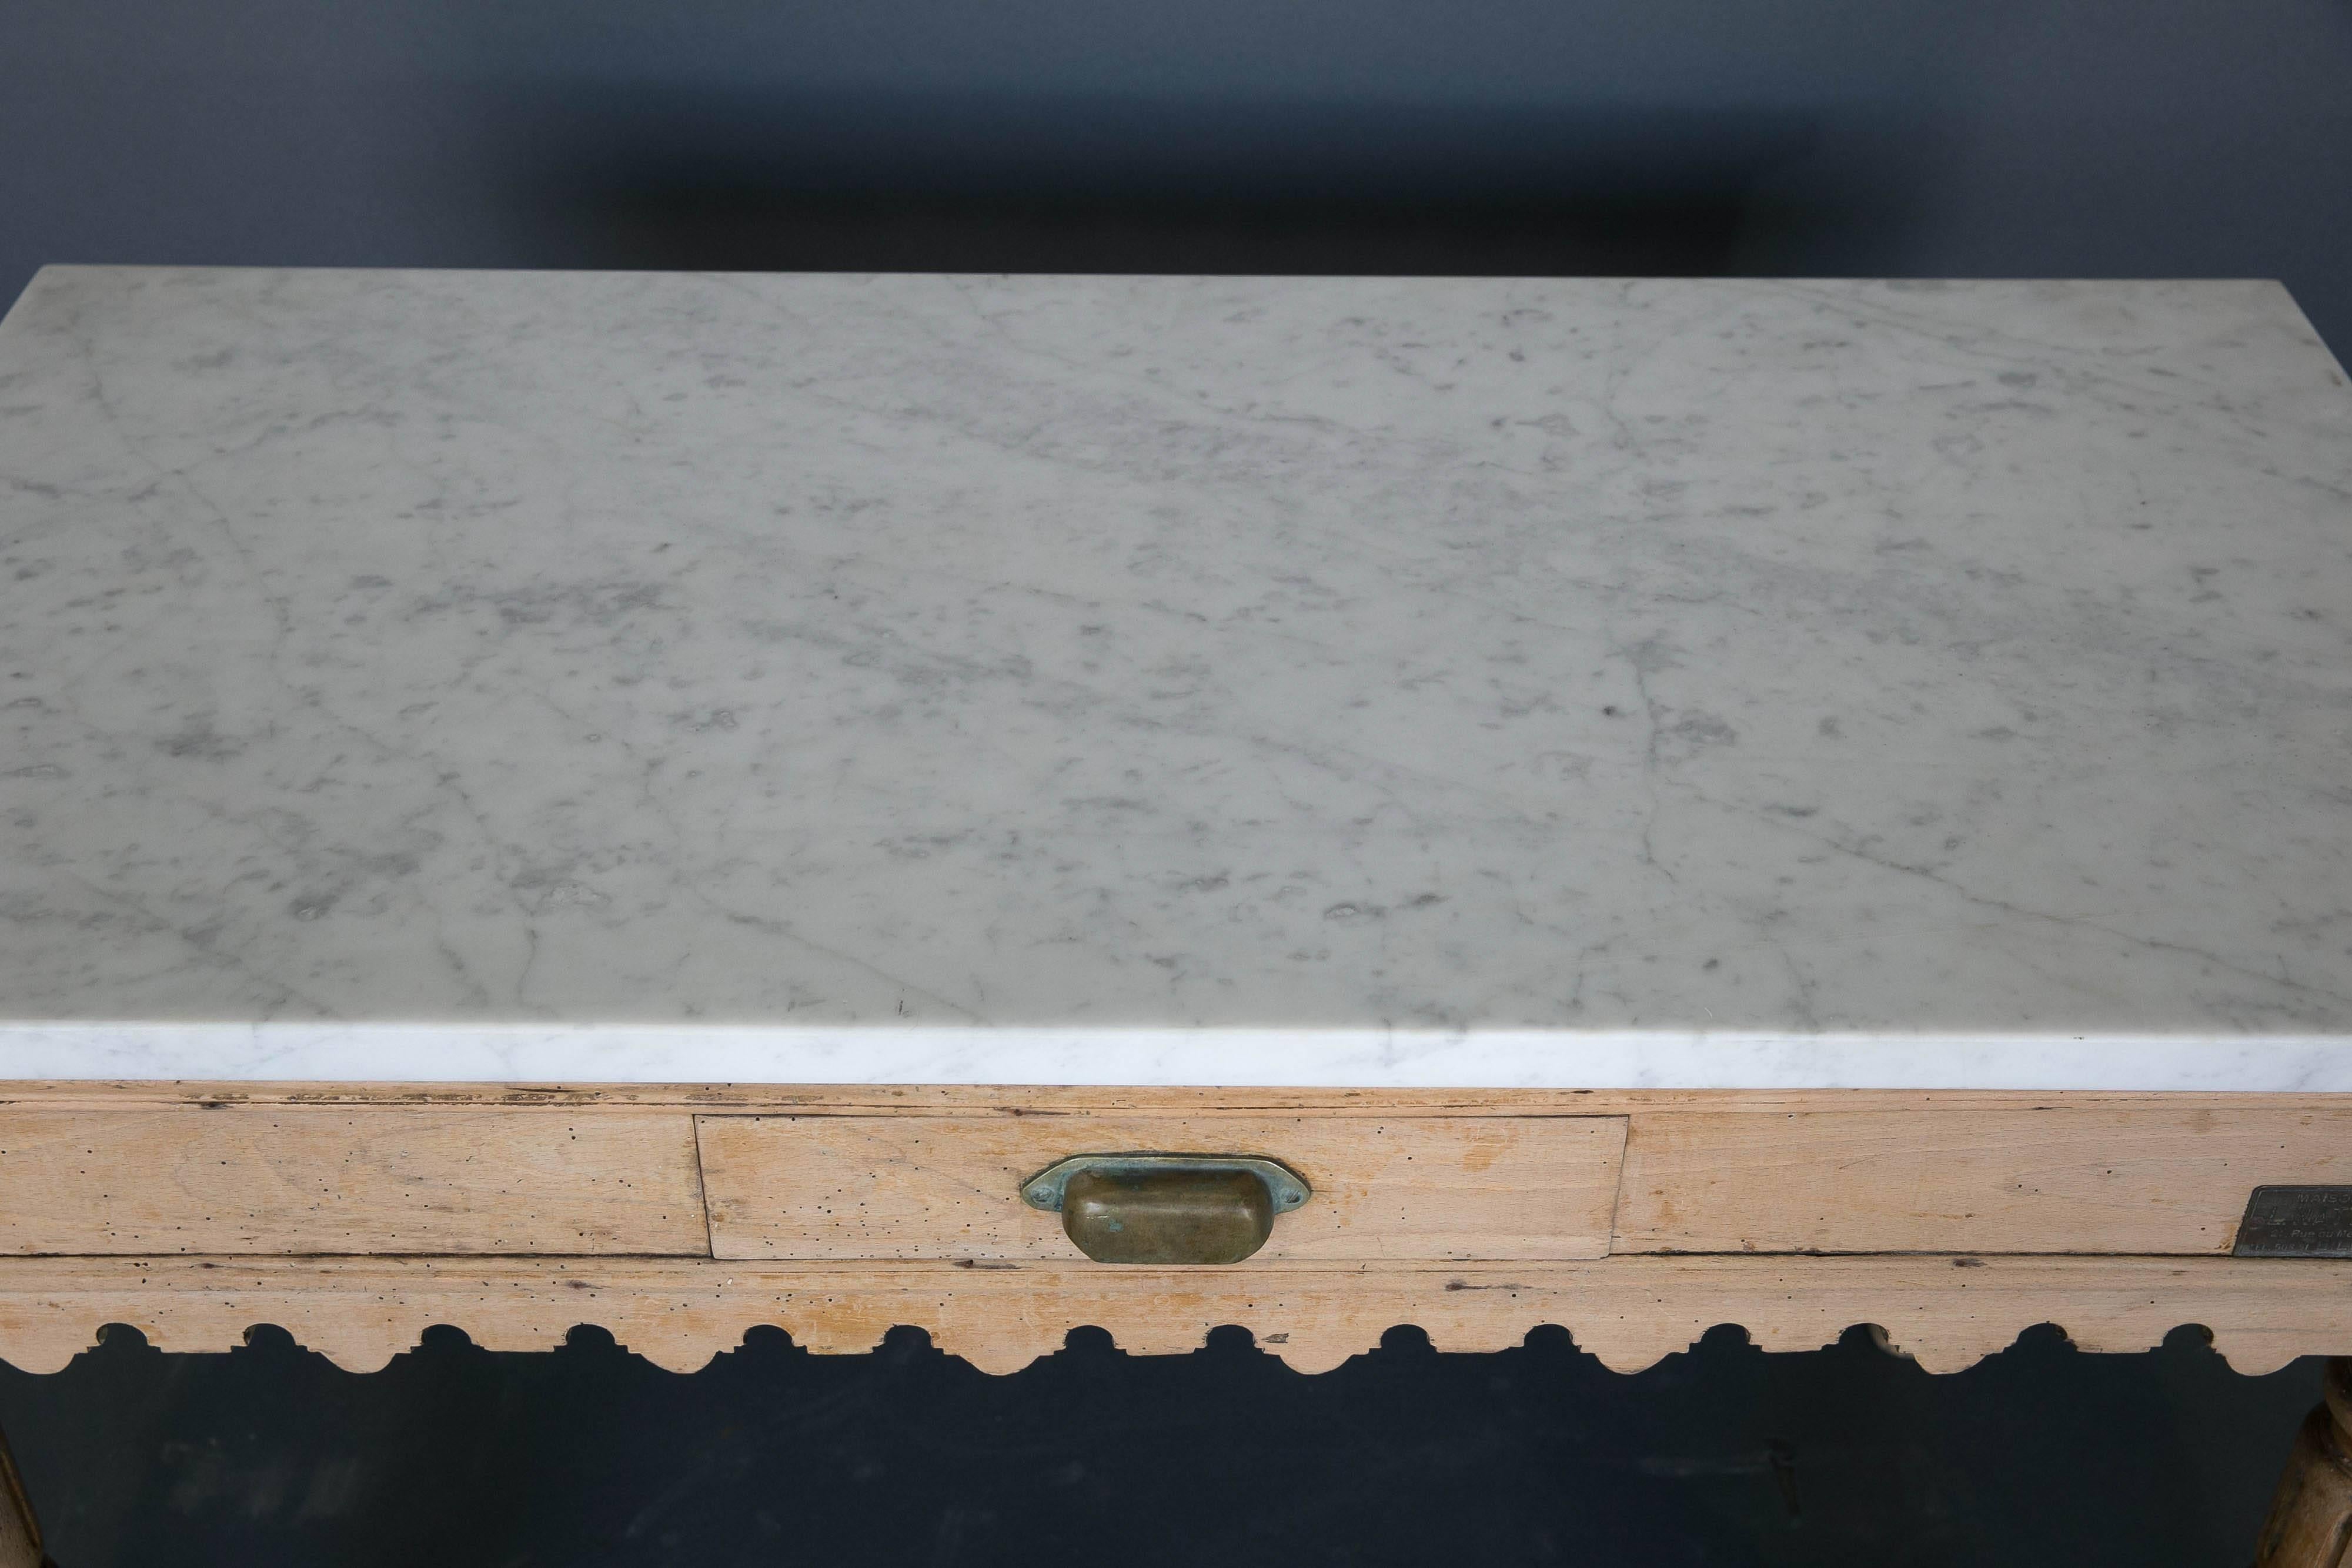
(1165, 680)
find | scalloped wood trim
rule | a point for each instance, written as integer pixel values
(1629, 1311)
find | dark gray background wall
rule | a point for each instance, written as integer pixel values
(1904, 137)
(1907, 136)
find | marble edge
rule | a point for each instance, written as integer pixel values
(1996, 279)
(1155, 1058)
(54, 273)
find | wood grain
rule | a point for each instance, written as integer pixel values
(20, 1527)
(290, 1179)
(2310, 1519)
(1629, 1311)
(2055, 1177)
(1049, 1100)
(1394, 1187)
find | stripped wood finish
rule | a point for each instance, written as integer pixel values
(297, 1180)
(1058, 1100)
(1629, 1311)
(492, 1186)
(2310, 1519)
(949, 1186)
(2054, 1178)
(20, 1527)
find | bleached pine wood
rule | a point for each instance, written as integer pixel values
(842, 1099)
(1035, 1100)
(2310, 1519)
(20, 1529)
(949, 1186)
(294, 1179)
(1629, 1311)
(2055, 1177)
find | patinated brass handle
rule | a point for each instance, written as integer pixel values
(1166, 1208)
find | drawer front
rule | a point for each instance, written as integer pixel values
(1421, 1188)
(249, 1179)
(2056, 1179)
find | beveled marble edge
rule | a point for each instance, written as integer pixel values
(1149, 1057)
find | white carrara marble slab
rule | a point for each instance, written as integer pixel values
(1152, 680)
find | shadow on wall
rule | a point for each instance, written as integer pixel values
(1848, 1458)
(1894, 137)
(747, 184)
(712, 227)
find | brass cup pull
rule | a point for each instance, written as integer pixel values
(1166, 1208)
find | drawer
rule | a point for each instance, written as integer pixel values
(1409, 1188)
(253, 1179)
(2048, 1178)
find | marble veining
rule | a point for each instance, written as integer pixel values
(837, 678)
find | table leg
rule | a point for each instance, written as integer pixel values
(20, 1532)
(2310, 1524)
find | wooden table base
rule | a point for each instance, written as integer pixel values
(20, 1532)
(2310, 1524)
(356, 1215)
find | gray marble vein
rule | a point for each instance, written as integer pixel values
(1121, 679)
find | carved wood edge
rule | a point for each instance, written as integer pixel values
(1946, 1312)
